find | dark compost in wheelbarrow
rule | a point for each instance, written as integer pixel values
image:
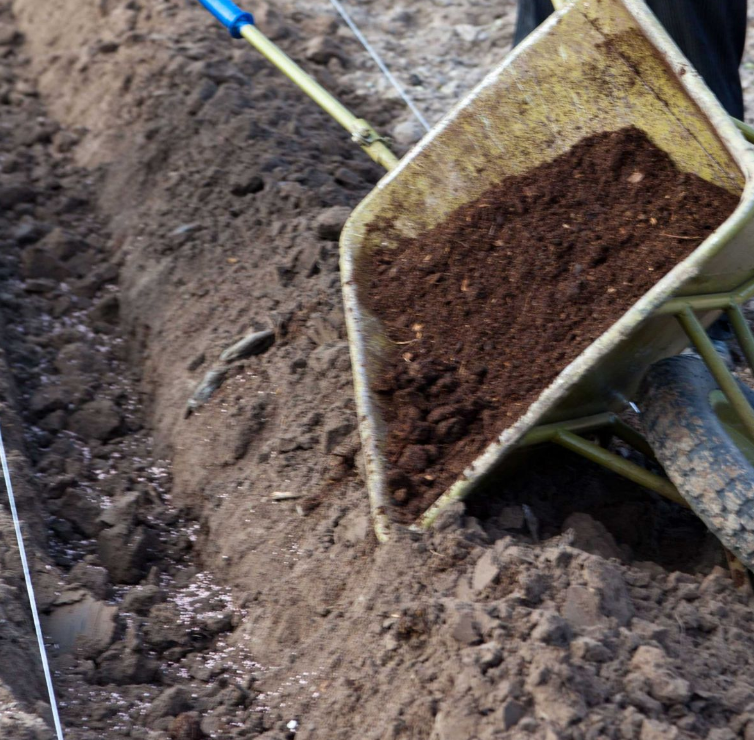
(486, 309)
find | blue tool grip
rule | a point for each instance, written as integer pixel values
(229, 14)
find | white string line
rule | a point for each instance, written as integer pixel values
(30, 590)
(378, 61)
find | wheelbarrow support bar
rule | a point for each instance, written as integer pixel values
(241, 24)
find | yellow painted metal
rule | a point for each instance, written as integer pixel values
(361, 132)
(594, 66)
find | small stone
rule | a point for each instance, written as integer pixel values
(124, 553)
(100, 420)
(335, 431)
(486, 571)
(163, 629)
(77, 508)
(653, 664)
(61, 244)
(169, 703)
(329, 223)
(347, 178)
(408, 132)
(37, 262)
(511, 713)
(122, 510)
(86, 625)
(528, 724)
(106, 310)
(48, 398)
(592, 536)
(76, 359)
(552, 630)
(650, 631)
(582, 607)
(352, 529)
(246, 183)
(186, 726)
(30, 232)
(489, 656)
(93, 578)
(88, 285)
(12, 193)
(9, 36)
(455, 722)
(590, 650)
(465, 628)
(451, 517)
(122, 666)
(53, 422)
(415, 459)
(321, 49)
(40, 285)
(652, 729)
(721, 733)
(196, 363)
(141, 599)
(607, 580)
(467, 32)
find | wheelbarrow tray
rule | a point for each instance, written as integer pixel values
(596, 66)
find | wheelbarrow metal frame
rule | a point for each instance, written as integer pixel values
(438, 175)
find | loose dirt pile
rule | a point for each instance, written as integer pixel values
(210, 208)
(488, 308)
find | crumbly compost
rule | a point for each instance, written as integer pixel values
(486, 309)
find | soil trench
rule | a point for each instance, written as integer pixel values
(488, 308)
(177, 402)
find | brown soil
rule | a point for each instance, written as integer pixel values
(489, 307)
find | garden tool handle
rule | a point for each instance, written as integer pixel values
(241, 24)
(230, 15)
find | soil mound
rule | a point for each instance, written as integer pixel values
(488, 308)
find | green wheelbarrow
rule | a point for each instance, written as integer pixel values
(542, 100)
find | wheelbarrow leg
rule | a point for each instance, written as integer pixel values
(717, 367)
(743, 333)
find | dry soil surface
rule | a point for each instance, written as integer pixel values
(163, 194)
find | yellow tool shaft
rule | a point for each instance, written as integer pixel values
(361, 132)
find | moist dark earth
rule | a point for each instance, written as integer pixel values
(165, 197)
(488, 308)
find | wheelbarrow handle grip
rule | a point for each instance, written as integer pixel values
(230, 15)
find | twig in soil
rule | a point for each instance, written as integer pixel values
(285, 496)
(255, 343)
(208, 385)
(675, 236)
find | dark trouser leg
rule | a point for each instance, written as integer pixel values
(530, 14)
(710, 33)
